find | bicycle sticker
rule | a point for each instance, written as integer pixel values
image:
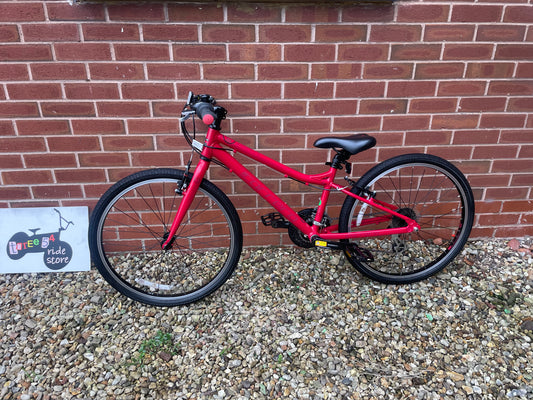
(45, 239)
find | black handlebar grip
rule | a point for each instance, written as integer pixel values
(205, 112)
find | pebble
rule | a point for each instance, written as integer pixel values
(290, 323)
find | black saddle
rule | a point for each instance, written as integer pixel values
(353, 144)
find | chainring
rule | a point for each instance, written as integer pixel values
(297, 236)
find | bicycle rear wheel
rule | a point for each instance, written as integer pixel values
(132, 220)
(425, 188)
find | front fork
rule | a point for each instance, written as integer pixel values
(189, 194)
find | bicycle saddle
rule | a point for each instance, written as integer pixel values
(353, 144)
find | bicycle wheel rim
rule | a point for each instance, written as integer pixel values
(445, 221)
(135, 223)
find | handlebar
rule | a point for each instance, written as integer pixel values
(204, 106)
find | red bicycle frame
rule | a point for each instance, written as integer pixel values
(213, 148)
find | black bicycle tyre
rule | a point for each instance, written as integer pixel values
(212, 194)
(458, 239)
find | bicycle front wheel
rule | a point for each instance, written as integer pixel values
(425, 188)
(131, 222)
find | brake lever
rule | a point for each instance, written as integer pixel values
(185, 115)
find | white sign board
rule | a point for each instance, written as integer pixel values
(44, 239)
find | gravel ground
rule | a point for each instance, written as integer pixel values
(289, 324)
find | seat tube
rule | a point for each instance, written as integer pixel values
(324, 197)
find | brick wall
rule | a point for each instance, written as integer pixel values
(90, 93)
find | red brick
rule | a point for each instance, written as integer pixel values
(10, 161)
(405, 122)
(467, 51)
(489, 70)
(199, 52)
(517, 206)
(6, 128)
(482, 104)
(501, 33)
(116, 71)
(50, 32)
(155, 159)
(114, 159)
(166, 32)
(263, 125)
(356, 124)
(280, 108)
(22, 145)
(57, 191)
(68, 109)
(25, 52)
(128, 142)
(314, 13)
(518, 14)
(422, 13)
(97, 126)
(255, 90)
(18, 109)
(511, 87)
(369, 13)
(459, 121)
(49, 160)
(253, 13)
(340, 33)
(22, 12)
(136, 12)
(502, 121)
(228, 71)
(73, 143)
(123, 109)
(383, 106)
(43, 127)
(228, 33)
(395, 33)
(308, 124)
(514, 231)
(110, 31)
(304, 90)
(21, 91)
(147, 91)
(195, 12)
(428, 138)
(144, 52)
(282, 71)
(411, 89)
(14, 72)
(449, 33)
(436, 105)
(67, 12)
(514, 52)
(82, 51)
(58, 71)
(498, 219)
(524, 70)
(388, 70)
(517, 136)
(479, 136)
(81, 91)
(281, 142)
(309, 52)
(27, 177)
(152, 126)
(360, 89)
(512, 166)
(363, 52)
(254, 52)
(440, 70)
(461, 88)
(520, 104)
(494, 152)
(79, 175)
(183, 71)
(332, 107)
(9, 33)
(284, 33)
(476, 13)
(336, 71)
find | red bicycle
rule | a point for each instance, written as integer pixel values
(169, 237)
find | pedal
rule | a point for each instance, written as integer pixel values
(275, 220)
(361, 253)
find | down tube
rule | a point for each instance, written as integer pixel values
(260, 188)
